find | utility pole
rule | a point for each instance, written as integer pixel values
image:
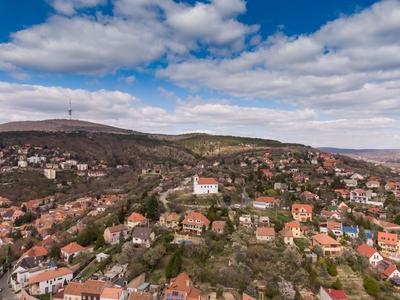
(70, 109)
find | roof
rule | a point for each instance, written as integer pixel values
(350, 229)
(266, 199)
(247, 297)
(36, 251)
(136, 217)
(194, 216)
(93, 287)
(387, 238)
(117, 228)
(292, 224)
(335, 294)
(389, 270)
(74, 289)
(111, 293)
(30, 262)
(287, 232)
(307, 207)
(142, 233)
(366, 250)
(49, 275)
(218, 225)
(265, 231)
(331, 225)
(206, 180)
(183, 283)
(72, 248)
(140, 296)
(324, 239)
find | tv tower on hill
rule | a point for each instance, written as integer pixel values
(70, 109)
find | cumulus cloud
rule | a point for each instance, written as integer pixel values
(33, 102)
(137, 33)
(350, 63)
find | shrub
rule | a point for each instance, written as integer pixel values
(371, 286)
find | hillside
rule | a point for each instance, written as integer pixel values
(63, 125)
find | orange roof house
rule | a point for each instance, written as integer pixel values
(265, 234)
(111, 293)
(182, 288)
(195, 222)
(328, 245)
(51, 281)
(295, 227)
(218, 226)
(370, 253)
(302, 212)
(388, 242)
(72, 249)
(36, 251)
(136, 219)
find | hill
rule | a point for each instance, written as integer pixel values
(64, 125)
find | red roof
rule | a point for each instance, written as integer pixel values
(366, 250)
(266, 199)
(206, 180)
(72, 248)
(196, 218)
(183, 283)
(389, 270)
(265, 231)
(49, 275)
(136, 217)
(324, 239)
(336, 294)
(292, 224)
(36, 251)
(307, 207)
(387, 238)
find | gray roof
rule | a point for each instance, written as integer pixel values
(141, 233)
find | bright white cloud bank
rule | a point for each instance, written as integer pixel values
(342, 82)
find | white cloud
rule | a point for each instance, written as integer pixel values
(33, 102)
(139, 32)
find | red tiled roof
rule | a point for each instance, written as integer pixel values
(36, 251)
(72, 248)
(265, 231)
(336, 294)
(49, 275)
(324, 239)
(307, 207)
(111, 293)
(73, 289)
(136, 217)
(293, 224)
(194, 216)
(206, 180)
(140, 296)
(387, 238)
(366, 250)
(218, 225)
(389, 270)
(266, 199)
(247, 297)
(183, 283)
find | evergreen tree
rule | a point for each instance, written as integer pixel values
(174, 265)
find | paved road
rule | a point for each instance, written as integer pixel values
(7, 293)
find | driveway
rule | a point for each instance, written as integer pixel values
(7, 293)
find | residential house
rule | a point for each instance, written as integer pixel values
(195, 222)
(392, 186)
(267, 173)
(245, 221)
(352, 183)
(247, 297)
(351, 231)
(181, 288)
(370, 253)
(136, 219)
(72, 250)
(389, 243)
(287, 236)
(50, 281)
(92, 289)
(335, 227)
(265, 234)
(332, 294)
(329, 246)
(204, 186)
(50, 173)
(295, 227)
(369, 237)
(302, 212)
(73, 291)
(307, 196)
(342, 193)
(364, 197)
(265, 202)
(113, 293)
(218, 226)
(372, 184)
(169, 220)
(388, 270)
(331, 214)
(357, 176)
(143, 236)
(280, 186)
(140, 296)
(112, 235)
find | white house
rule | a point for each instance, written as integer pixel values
(364, 197)
(203, 185)
(357, 176)
(49, 282)
(265, 234)
(82, 167)
(370, 253)
(49, 173)
(331, 294)
(22, 164)
(264, 202)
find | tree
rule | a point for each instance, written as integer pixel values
(174, 265)
(151, 208)
(55, 252)
(100, 242)
(371, 286)
(337, 285)
(331, 268)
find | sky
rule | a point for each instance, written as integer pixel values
(322, 73)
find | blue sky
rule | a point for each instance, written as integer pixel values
(324, 73)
